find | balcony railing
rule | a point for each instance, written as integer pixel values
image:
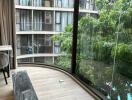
(35, 26)
(84, 4)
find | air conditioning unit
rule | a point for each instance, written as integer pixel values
(47, 3)
(48, 18)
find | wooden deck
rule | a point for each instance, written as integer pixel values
(49, 84)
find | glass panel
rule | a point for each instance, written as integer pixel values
(39, 60)
(58, 3)
(63, 40)
(104, 48)
(24, 44)
(23, 20)
(24, 2)
(121, 53)
(25, 60)
(37, 19)
(43, 21)
(58, 17)
(17, 20)
(56, 47)
(64, 3)
(88, 4)
(58, 27)
(43, 3)
(63, 19)
(42, 44)
(71, 3)
(70, 18)
(29, 44)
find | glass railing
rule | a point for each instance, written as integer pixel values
(64, 59)
(34, 44)
(35, 26)
(104, 49)
(26, 26)
(43, 26)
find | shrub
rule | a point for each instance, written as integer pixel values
(102, 51)
(123, 54)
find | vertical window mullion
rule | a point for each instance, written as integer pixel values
(74, 40)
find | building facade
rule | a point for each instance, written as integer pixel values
(38, 20)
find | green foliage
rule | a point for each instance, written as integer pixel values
(88, 25)
(102, 50)
(68, 29)
(120, 51)
(65, 39)
(66, 47)
(102, 4)
(99, 41)
(123, 54)
(64, 62)
(87, 70)
(99, 34)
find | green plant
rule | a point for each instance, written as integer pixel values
(123, 54)
(97, 49)
(102, 51)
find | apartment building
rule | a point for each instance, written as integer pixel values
(38, 20)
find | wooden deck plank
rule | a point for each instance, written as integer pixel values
(47, 85)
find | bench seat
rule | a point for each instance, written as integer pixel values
(23, 89)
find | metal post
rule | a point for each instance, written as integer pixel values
(74, 40)
(32, 31)
(54, 29)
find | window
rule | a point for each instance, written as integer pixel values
(56, 47)
(37, 20)
(25, 20)
(47, 3)
(58, 17)
(17, 21)
(47, 40)
(65, 3)
(70, 18)
(25, 44)
(59, 3)
(58, 21)
(48, 18)
(63, 19)
(43, 3)
(42, 43)
(17, 2)
(24, 2)
(87, 4)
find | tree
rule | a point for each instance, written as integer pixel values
(104, 47)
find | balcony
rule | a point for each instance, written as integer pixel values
(79, 53)
(56, 86)
(86, 6)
